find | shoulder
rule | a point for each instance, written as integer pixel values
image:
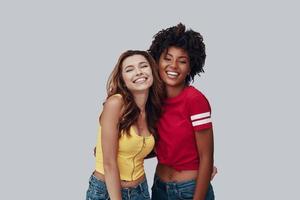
(193, 93)
(114, 102)
(112, 109)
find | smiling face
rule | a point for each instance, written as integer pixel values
(137, 73)
(174, 66)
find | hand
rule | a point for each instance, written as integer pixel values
(214, 172)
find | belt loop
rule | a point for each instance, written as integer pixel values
(141, 187)
(128, 193)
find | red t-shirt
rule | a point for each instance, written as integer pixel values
(182, 116)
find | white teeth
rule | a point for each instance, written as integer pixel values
(172, 73)
(140, 80)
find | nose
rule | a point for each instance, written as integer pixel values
(174, 64)
(138, 71)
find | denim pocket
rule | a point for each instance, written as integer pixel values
(186, 194)
(187, 190)
(145, 190)
(146, 194)
(97, 190)
(92, 195)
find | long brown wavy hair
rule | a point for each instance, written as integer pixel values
(116, 85)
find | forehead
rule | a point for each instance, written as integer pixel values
(134, 60)
(176, 51)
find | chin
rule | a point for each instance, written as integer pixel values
(170, 82)
(140, 89)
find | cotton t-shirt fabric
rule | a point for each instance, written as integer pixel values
(182, 116)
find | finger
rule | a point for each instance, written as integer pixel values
(214, 172)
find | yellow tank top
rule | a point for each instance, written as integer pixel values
(131, 153)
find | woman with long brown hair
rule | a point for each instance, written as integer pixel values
(127, 129)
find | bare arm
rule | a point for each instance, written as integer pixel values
(110, 142)
(204, 139)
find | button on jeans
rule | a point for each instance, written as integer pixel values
(177, 190)
(97, 191)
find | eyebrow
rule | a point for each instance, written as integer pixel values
(128, 66)
(168, 54)
(140, 63)
(143, 62)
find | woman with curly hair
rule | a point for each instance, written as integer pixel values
(127, 129)
(185, 136)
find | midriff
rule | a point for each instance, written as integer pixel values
(124, 184)
(168, 174)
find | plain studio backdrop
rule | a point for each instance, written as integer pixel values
(55, 58)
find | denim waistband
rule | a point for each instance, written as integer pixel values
(140, 187)
(172, 185)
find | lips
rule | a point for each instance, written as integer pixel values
(172, 74)
(140, 80)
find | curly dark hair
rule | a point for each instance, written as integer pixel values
(189, 40)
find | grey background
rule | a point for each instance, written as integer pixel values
(55, 57)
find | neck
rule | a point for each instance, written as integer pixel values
(173, 91)
(141, 100)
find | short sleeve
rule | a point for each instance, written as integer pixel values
(199, 111)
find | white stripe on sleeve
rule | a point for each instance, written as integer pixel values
(200, 116)
(201, 122)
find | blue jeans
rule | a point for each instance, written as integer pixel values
(177, 190)
(97, 191)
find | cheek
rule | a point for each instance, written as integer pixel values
(125, 79)
(161, 72)
(151, 80)
(187, 69)
(161, 68)
(162, 63)
(150, 75)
